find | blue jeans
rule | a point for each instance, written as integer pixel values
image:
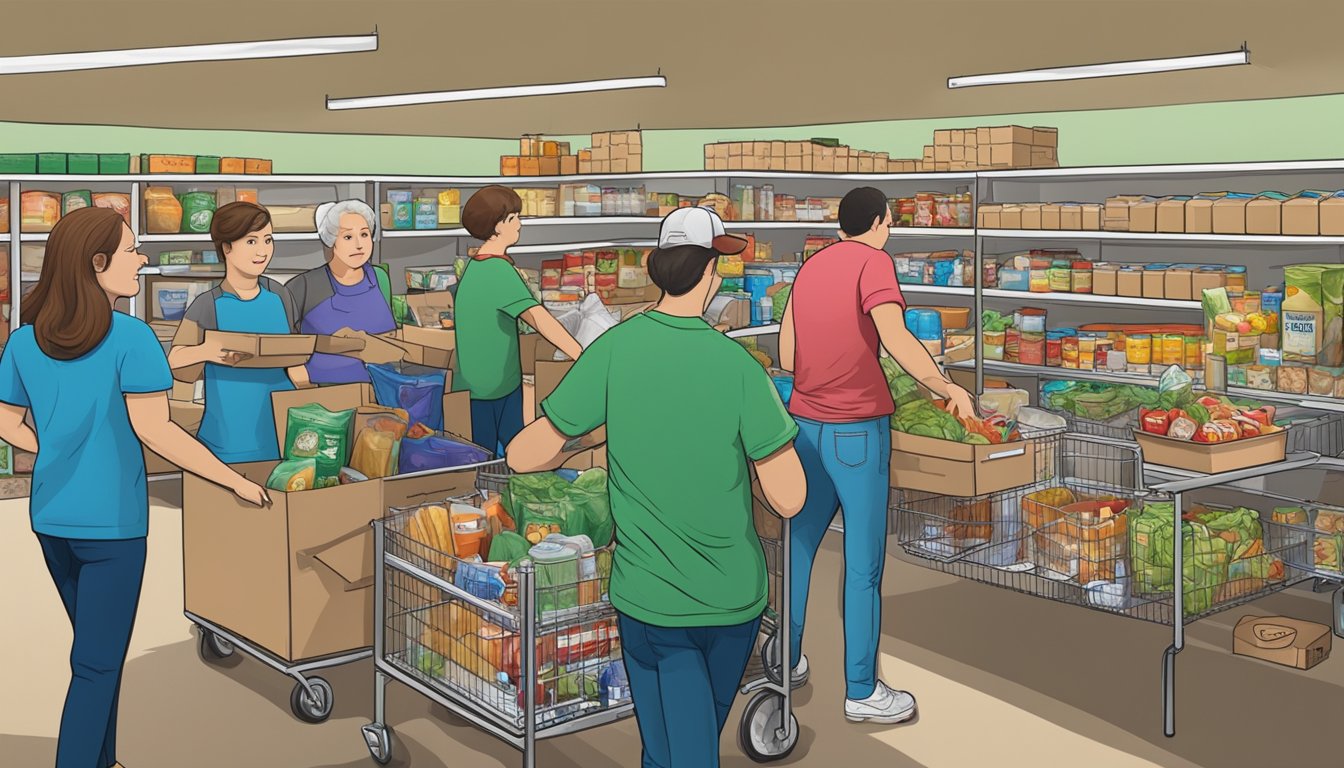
(683, 682)
(99, 583)
(494, 423)
(847, 465)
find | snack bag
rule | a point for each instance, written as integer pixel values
(313, 432)
(437, 453)
(293, 475)
(421, 395)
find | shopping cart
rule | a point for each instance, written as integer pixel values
(312, 697)
(526, 664)
(768, 730)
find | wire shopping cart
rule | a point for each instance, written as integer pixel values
(768, 730)
(524, 662)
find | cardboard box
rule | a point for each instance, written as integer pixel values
(1302, 214)
(1031, 215)
(1011, 134)
(235, 166)
(1011, 217)
(1179, 285)
(1105, 279)
(1143, 215)
(1128, 282)
(989, 216)
(1229, 214)
(1332, 215)
(254, 350)
(1092, 214)
(957, 469)
(569, 165)
(509, 165)
(1264, 216)
(1206, 279)
(1171, 214)
(549, 166)
(1154, 283)
(1212, 458)
(1045, 137)
(1115, 216)
(1052, 216)
(1071, 218)
(1281, 640)
(942, 153)
(186, 415)
(529, 166)
(256, 167)
(1010, 155)
(1199, 213)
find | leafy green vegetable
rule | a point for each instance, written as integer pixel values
(995, 322)
(778, 302)
(1198, 413)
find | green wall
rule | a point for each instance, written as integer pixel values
(1279, 129)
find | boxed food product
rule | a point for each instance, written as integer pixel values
(82, 164)
(1116, 212)
(114, 164)
(1292, 379)
(303, 218)
(52, 162)
(207, 164)
(1312, 322)
(252, 166)
(1199, 212)
(1229, 213)
(1171, 214)
(163, 211)
(1301, 214)
(39, 211)
(18, 164)
(232, 166)
(1331, 215)
(1281, 640)
(168, 164)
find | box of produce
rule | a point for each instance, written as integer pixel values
(935, 451)
(1221, 445)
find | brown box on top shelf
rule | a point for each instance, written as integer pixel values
(1011, 134)
(232, 166)
(1045, 137)
(1302, 214)
(1264, 216)
(867, 163)
(1043, 158)
(549, 166)
(1171, 214)
(508, 166)
(1010, 217)
(569, 165)
(1031, 215)
(984, 155)
(1010, 155)
(170, 164)
(942, 153)
(942, 137)
(254, 167)
(1332, 216)
(1229, 215)
(529, 166)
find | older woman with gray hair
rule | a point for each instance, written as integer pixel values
(348, 292)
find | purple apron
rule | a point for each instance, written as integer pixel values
(360, 307)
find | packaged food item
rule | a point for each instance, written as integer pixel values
(293, 475)
(469, 530)
(1087, 352)
(376, 453)
(1292, 379)
(1312, 327)
(163, 211)
(1060, 276)
(1260, 377)
(1173, 349)
(1032, 349)
(1139, 351)
(426, 214)
(557, 575)
(1291, 516)
(39, 211)
(1054, 349)
(420, 395)
(73, 201)
(117, 201)
(1069, 351)
(432, 453)
(993, 344)
(313, 432)
(198, 210)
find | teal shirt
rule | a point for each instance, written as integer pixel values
(89, 479)
(239, 421)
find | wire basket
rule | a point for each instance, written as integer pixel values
(1316, 535)
(1314, 432)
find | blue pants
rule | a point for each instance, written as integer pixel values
(99, 583)
(848, 465)
(494, 423)
(683, 682)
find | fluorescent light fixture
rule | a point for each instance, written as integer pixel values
(1116, 69)
(179, 54)
(505, 92)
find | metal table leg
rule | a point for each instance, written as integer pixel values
(1178, 627)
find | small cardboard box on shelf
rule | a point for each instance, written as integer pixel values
(1302, 214)
(1281, 640)
(1116, 212)
(1171, 214)
(1229, 214)
(1332, 215)
(1264, 214)
(1199, 213)
(957, 469)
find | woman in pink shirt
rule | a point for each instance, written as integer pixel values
(844, 303)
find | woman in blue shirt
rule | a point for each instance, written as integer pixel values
(96, 383)
(239, 423)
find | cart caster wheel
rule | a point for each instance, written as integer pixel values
(771, 665)
(378, 738)
(214, 647)
(305, 707)
(759, 736)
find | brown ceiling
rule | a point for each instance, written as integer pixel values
(728, 64)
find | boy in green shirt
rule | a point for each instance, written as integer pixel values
(490, 300)
(685, 410)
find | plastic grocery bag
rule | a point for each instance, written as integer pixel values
(421, 395)
(433, 452)
(594, 320)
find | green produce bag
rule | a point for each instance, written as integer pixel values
(778, 302)
(1205, 557)
(581, 508)
(1204, 567)
(313, 432)
(508, 547)
(1151, 557)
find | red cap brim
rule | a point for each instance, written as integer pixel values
(729, 245)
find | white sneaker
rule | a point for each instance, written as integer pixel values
(799, 677)
(884, 706)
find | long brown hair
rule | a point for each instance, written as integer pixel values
(68, 310)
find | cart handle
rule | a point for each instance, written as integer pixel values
(1005, 454)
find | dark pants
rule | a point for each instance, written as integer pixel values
(99, 583)
(683, 682)
(494, 423)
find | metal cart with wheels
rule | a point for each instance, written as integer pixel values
(524, 662)
(769, 730)
(312, 697)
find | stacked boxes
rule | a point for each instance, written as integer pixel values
(612, 152)
(1307, 213)
(90, 164)
(1002, 147)
(816, 156)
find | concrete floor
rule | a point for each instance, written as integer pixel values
(1003, 680)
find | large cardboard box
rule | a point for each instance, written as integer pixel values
(1179, 284)
(1302, 214)
(1332, 215)
(1154, 283)
(1052, 216)
(1229, 214)
(268, 350)
(1212, 458)
(957, 469)
(1143, 215)
(1129, 282)
(1281, 640)
(1264, 215)
(1011, 134)
(1171, 214)
(1116, 212)
(1199, 213)
(430, 347)
(1010, 155)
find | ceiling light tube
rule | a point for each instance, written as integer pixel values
(505, 92)
(179, 54)
(1116, 69)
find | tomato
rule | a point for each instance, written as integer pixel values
(1156, 421)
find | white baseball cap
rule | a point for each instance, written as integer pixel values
(698, 226)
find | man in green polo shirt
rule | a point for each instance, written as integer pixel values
(489, 302)
(685, 410)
